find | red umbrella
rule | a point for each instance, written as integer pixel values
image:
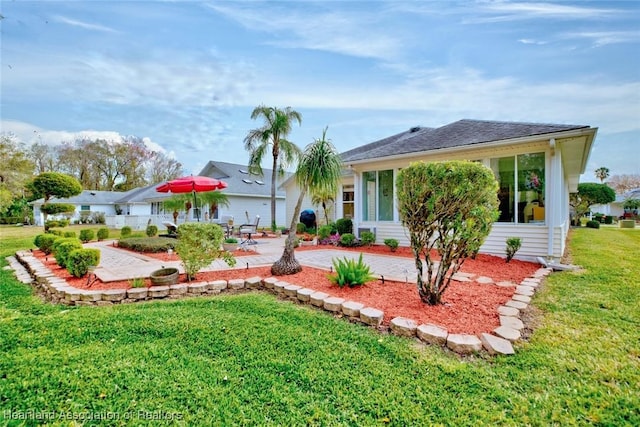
(192, 184)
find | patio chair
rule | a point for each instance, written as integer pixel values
(249, 229)
(226, 222)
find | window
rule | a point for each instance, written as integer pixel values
(348, 197)
(85, 208)
(157, 208)
(521, 190)
(377, 195)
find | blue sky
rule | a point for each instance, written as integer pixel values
(186, 75)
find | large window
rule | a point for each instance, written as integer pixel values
(348, 201)
(521, 190)
(377, 195)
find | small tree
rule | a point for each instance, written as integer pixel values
(450, 207)
(54, 184)
(590, 193)
(199, 245)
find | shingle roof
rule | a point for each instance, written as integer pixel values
(88, 197)
(457, 134)
(240, 181)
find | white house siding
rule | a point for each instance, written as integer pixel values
(240, 206)
(535, 238)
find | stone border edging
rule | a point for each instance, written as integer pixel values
(30, 270)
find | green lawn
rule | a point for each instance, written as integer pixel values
(254, 360)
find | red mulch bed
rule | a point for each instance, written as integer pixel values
(468, 307)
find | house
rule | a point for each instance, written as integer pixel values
(536, 166)
(616, 208)
(249, 195)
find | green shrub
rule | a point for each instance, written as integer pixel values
(513, 245)
(151, 230)
(45, 242)
(593, 224)
(55, 232)
(69, 234)
(367, 238)
(148, 244)
(231, 240)
(125, 231)
(344, 226)
(608, 219)
(87, 235)
(348, 240)
(301, 228)
(52, 223)
(103, 233)
(79, 261)
(350, 273)
(63, 247)
(311, 230)
(137, 282)
(324, 232)
(392, 244)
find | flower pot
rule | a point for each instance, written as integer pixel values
(164, 277)
(229, 247)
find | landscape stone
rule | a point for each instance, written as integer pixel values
(459, 277)
(516, 304)
(137, 293)
(114, 295)
(279, 286)
(291, 290)
(197, 288)
(236, 284)
(483, 280)
(507, 333)
(269, 282)
(371, 316)
(178, 289)
(253, 282)
(91, 296)
(158, 291)
(333, 304)
(508, 311)
(352, 308)
(496, 345)
(103, 303)
(511, 322)
(506, 284)
(217, 285)
(72, 294)
(463, 343)
(524, 290)
(403, 326)
(432, 334)
(304, 294)
(521, 298)
(317, 298)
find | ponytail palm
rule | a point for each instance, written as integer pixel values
(277, 125)
(319, 172)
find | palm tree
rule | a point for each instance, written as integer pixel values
(277, 125)
(319, 172)
(602, 174)
(213, 198)
(176, 203)
(324, 199)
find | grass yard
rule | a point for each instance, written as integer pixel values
(251, 359)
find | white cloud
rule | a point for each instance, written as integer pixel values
(349, 33)
(502, 11)
(85, 25)
(603, 38)
(532, 41)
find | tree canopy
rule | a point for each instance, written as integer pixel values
(591, 193)
(55, 184)
(449, 207)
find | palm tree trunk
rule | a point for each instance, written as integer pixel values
(288, 264)
(273, 190)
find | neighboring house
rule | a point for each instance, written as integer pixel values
(536, 165)
(248, 196)
(616, 208)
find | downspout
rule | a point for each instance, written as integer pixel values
(555, 180)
